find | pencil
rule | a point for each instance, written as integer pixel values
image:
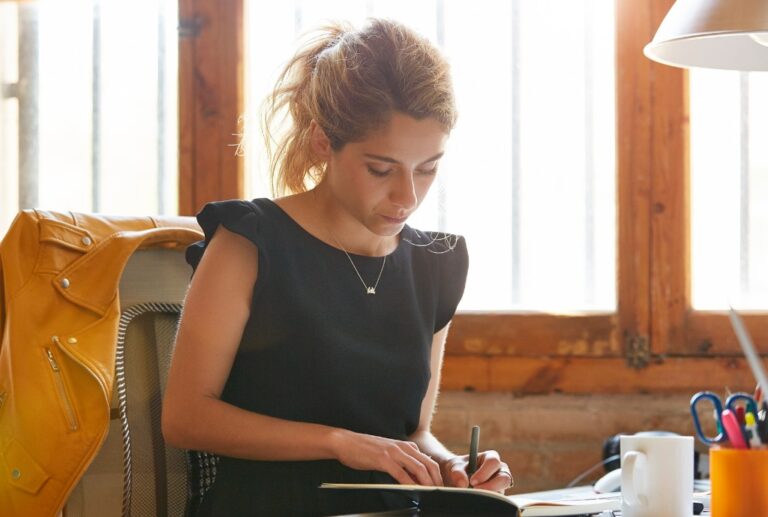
(474, 441)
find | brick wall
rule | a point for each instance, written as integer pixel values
(548, 440)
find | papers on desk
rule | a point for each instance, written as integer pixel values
(701, 495)
(568, 501)
(594, 504)
(431, 499)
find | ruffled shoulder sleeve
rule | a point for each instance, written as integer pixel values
(452, 264)
(238, 216)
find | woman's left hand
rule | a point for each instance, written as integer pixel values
(491, 474)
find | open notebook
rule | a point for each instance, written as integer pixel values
(475, 501)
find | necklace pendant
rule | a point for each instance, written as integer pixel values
(371, 290)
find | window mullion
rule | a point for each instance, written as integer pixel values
(744, 167)
(589, 162)
(162, 119)
(516, 163)
(27, 94)
(633, 126)
(669, 218)
(210, 101)
(96, 108)
(442, 194)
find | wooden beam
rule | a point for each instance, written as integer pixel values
(654, 242)
(633, 148)
(533, 334)
(708, 334)
(670, 206)
(528, 375)
(211, 100)
(711, 333)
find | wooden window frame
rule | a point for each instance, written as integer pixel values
(654, 343)
(211, 101)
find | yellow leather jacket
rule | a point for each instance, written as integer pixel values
(59, 314)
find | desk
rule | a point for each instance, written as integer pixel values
(705, 513)
(699, 486)
(559, 494)
(415, 513)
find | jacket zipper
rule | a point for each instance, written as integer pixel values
(69, 411)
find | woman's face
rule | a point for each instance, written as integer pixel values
(381, 180)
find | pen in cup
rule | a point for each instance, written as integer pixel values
(751, 426)
(733, 430)
(762, 424)
(474, 441)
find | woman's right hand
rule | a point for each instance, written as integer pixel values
(400, 459)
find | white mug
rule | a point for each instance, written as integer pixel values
(656, 476)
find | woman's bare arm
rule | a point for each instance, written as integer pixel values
(216, 309)
(492, 473)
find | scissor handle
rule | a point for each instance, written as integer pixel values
(718, 408)
(749, 402)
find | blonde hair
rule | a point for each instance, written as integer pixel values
(350, 82)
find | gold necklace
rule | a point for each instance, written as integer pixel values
(369, 289)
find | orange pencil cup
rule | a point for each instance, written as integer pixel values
(739, 482)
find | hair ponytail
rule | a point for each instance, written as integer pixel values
(350, 82)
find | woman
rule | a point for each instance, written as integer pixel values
(312, 336)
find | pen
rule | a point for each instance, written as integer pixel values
(733, 430)
(762, 424)
(751, 426)
(474, 441)
(740, 415)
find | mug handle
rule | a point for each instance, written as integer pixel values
(633, 461)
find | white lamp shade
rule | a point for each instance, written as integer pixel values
(726, 34)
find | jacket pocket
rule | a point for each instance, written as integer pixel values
(21, 470)
(60, 245)
(61, 390)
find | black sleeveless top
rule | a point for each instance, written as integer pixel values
(317, 348)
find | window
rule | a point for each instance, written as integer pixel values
(88, 116)
(729, 186)
(535, 138)
(651, 336)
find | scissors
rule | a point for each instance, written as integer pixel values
(731, 403)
